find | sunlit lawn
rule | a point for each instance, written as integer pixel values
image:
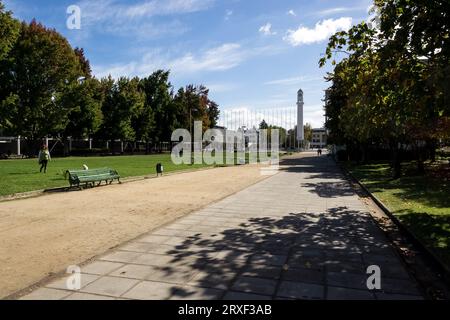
(23, 175)
(421, 202)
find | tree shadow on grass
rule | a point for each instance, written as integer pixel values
(433, 231)
(426, 190)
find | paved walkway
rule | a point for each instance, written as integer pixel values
(301, 234)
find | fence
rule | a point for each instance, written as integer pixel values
(13, 147)
(242, 119)
(283, 118)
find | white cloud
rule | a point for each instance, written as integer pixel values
(292, 80)
(166, 7)
(110, 11)
(228, 14)
(322, 31)
(147, 30)
(224, 57)
(221, 58)
(292, 13)
(331, 11)
(267, 30)
(110, 16)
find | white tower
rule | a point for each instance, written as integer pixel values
(300, 130)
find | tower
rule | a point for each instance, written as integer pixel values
(300, 130)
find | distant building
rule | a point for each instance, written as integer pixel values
(319, 138)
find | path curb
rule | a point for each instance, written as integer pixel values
(444, 269)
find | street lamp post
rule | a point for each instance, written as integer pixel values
(190, 132)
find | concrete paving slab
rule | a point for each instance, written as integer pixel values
(196, 293)
(150, 290)
(255, 285)
(62, 284)
(100, 267)
(110, 286)
(300, 290)
(300, 234)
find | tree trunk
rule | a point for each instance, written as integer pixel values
(396, 162)
(432, 147)
(36, 144)
(420, 160)
(363, 153)
(65, 146)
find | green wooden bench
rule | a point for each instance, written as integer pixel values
(92, 176)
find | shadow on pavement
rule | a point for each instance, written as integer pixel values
(294, 256)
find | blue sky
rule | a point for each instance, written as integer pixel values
(252, 54)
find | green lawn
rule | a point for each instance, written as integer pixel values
(421, 202)
(23, 175)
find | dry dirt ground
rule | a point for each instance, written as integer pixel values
(44, 235)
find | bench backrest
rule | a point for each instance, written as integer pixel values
(74, 174)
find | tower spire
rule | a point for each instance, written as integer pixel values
(300, 130)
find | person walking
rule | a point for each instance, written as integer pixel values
(44, 158)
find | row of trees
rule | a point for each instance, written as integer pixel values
(392, 88)
(47, 88)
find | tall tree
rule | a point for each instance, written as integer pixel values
(382, 90)
(123, 100)
(213, 112)
(85, 101)
(199, 107)
(307, 132)
(41, 66)
(263, 125)
(157, 118)
(421, 29)
(9, 31)
(85, 65)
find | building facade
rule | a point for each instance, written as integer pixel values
(319, 138)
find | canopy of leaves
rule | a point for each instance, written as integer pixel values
(40, 68)
(393, 83)
(47, 88)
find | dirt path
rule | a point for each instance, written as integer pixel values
(44, 235)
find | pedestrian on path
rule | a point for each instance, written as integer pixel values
(319, 152)
(44, 158)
